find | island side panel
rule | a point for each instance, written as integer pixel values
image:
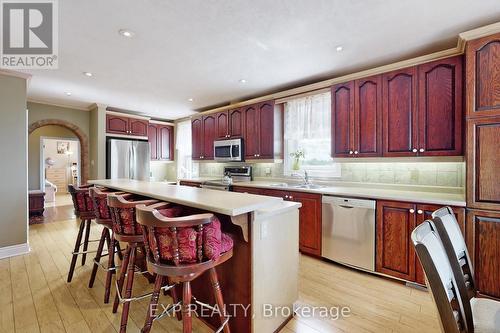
(235, 280)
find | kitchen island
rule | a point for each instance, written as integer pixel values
(263, 271)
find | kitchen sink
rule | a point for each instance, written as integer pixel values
(304, 186)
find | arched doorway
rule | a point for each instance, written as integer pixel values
(84, 141)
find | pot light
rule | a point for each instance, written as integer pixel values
(88, 74)
(339, 48)
(67, 93)
(190, 99)
(242, 81)
(126, 33)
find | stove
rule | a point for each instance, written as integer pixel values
(231, 175)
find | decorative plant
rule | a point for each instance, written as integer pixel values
(297, 156)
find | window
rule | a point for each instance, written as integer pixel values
(183, 147)
(307, 128)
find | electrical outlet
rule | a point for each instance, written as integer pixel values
(268, 171)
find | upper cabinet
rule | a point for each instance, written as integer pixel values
(197, 138)
(126, 125)
(483, 76)
(222, 125)
(203, 132)
(259, 130)
(414, 111)
(235, 123)
(161, 140)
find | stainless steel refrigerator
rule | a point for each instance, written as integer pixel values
(127, 159)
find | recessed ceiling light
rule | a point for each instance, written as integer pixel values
(339, 48)
(126, 33)
(190, 99)
(243, 81)
(89, 74)
(67, 93)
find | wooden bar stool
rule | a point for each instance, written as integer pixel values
(103, 217)
(126, 229)
(84, 210)
(180, 249)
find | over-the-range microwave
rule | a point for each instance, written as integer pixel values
(228, 150)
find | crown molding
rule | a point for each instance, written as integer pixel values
(480, 32)
(32, 100)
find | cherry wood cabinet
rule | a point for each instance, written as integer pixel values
(483, 163)
(483, 76)
(161, 140)
(259, 130)
(235, 123)
(209, 136)
(153, 141)
(483, 230)
(190, 183)
(197, 138)
(343, 119)
(222, 125)
(118, 124)
(440, 110)
(309, 215)
(400, 112)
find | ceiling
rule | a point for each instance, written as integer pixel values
(200, 49)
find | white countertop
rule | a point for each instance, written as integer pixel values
(227, 203)
(419, 194)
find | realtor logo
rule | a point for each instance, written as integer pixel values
(29, 33)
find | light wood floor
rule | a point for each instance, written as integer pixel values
(34, 295)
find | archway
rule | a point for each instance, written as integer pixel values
(84, 141)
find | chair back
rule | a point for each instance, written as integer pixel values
(99, 196)
(122, 208)
(448, 230)
(440, 278)
(176, 239)
(81, 200)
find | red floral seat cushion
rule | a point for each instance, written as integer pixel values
(215, 241)
(83, 202)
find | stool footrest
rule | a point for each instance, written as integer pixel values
(217, 310)
(105, 267)
(137, 298)
(170, 309)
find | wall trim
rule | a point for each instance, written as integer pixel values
(32, 100)
(14, 250)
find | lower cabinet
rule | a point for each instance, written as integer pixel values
(309, 215)
(483, 242)
(395, 254)
(188, 183)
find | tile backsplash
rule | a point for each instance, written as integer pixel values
(450, 174)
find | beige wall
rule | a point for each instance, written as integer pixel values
(34, 150)
(80, 118)
(14, 167)
(97, 142)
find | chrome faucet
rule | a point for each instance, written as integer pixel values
(305, 177)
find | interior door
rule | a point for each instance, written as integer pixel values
(343, 120)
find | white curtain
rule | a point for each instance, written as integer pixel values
(183, 148)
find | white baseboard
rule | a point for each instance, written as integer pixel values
(14, 250)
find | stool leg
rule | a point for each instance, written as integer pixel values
(86, 241)
(75, 250)
(128, 289)
(218, 297)
(175, 298)
(187, 323)
(121, 279)
(111, 264)
(153, 304)
(104, 237)
(119, 250)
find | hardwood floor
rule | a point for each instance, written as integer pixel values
(34, 295)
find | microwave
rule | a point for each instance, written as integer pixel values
(228, 150)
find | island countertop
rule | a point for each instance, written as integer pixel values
(222, 202)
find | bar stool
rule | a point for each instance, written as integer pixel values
(181, 248)
(126, 229)
(84, 210)
(103, 217)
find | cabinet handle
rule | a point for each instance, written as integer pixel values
(412, 210)
(290, 197)
(421, 150)
(420, 211)
(351, 152)
(414, 150)
(286, 196)
(356, 152)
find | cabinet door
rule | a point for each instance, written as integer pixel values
(399, 112)
(166, 143)
(483, 163)
(208, 136)
(252, 137)
(440, 110)
(368, 117)
(116, 124)
(197, 139)
(222, 125)
(483, 232)
(424, 212)
(153, 140)
(266, 130)
(395, 253)
(250, 190)
(309, 222)
(138, 127)
(483, 76)
(343, 120)
(236, 123)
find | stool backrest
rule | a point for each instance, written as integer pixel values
(440, 278)
(99, 197)
(166, 238)
(81, 198)
(122, 208)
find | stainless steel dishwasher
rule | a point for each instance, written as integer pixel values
(348, 231)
